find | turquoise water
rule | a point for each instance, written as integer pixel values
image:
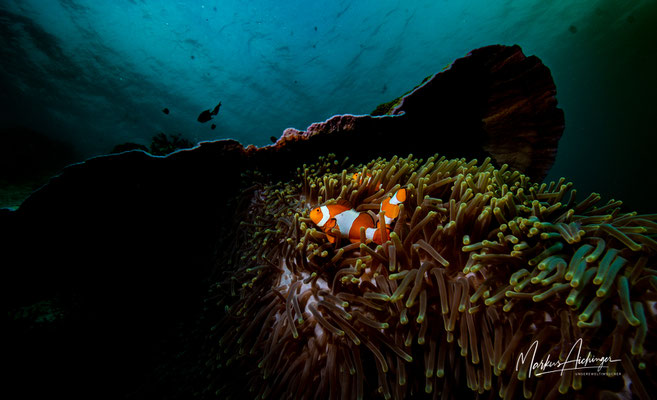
(96, 74)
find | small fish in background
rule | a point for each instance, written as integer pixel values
(213, 126)
(273, 139)
(165, 110)
(206, 115)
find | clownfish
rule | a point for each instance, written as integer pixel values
(391, 205)
(366, 180)
(348, 222)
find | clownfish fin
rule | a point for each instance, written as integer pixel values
(330, 224)
(344, 203)
(378, 235)
(331, 230)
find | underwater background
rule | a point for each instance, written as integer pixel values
(133, 276)
(81, 77)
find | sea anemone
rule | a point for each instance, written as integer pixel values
(481, 265)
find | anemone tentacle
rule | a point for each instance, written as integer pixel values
(481, 264)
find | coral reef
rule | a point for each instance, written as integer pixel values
(132, 303)
(494, 102)
(162, 144)
(128, 146)
(481, 264)
(28, 158)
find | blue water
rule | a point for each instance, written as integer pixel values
(99, 73)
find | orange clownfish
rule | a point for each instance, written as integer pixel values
(343, 218)
(391, 205)
(366, 180)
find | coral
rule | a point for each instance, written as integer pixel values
(28, 158)
(389, 107)
(481, 264)
(44, 311)
(128, 146)
(161, 144)
(494, 102)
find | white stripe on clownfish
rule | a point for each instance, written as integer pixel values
(325, 216)
(394, 200)
(345, 221)
(371, 234)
